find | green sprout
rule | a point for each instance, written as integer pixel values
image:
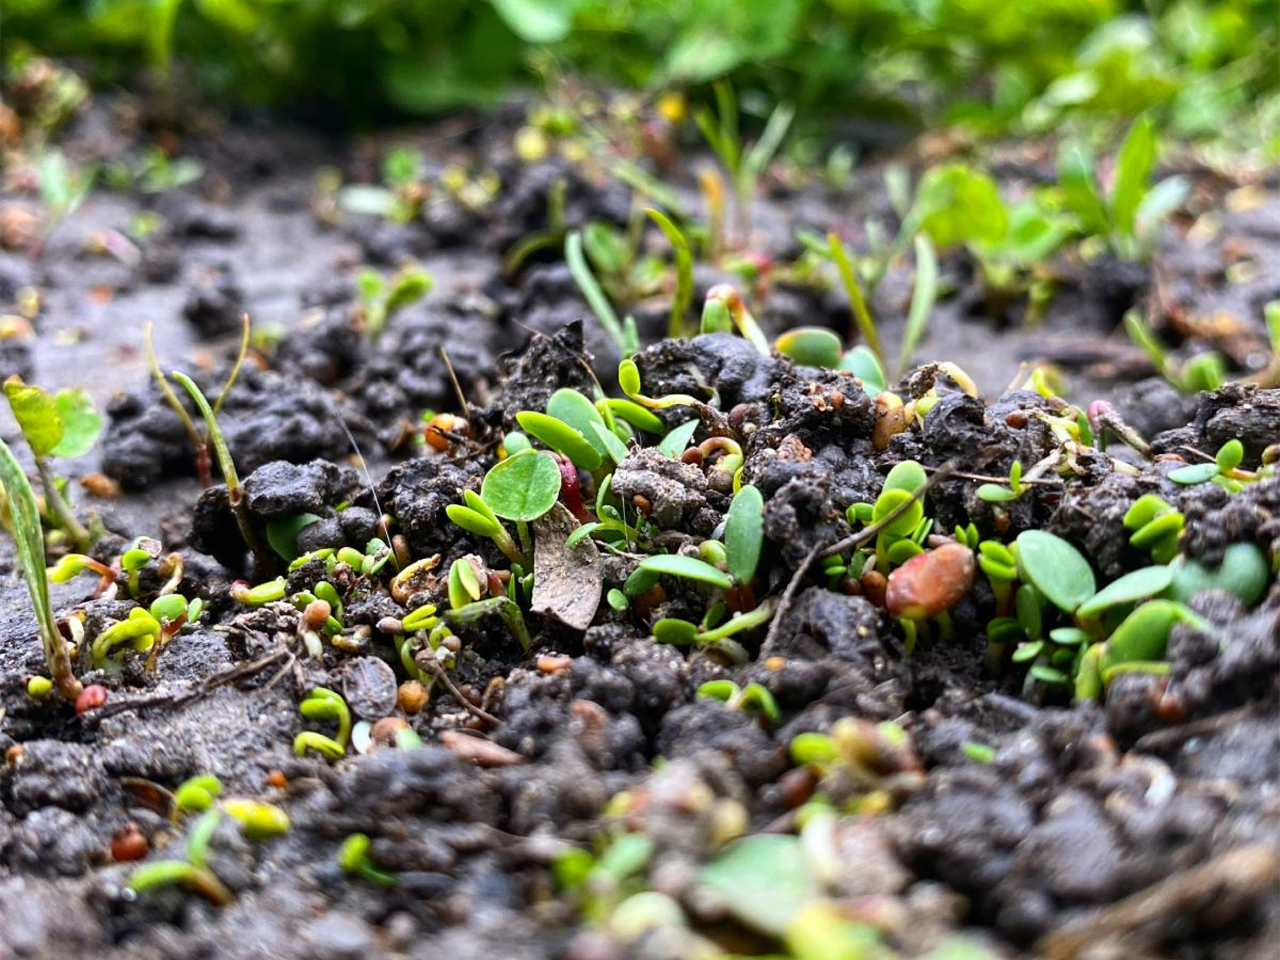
(744, 167)
(383, 297)
(63, 188)
(597, 881)
(64, 424)
(811, 347)
(861, 765)
(753, 698)
(903, 538)
(623, 334)
(199, 442)
(400, 196)
(683, 295)
(1126, 216)
(28, 535)
(1224, 470)
(629, 380)
(193, 873)
(724, 311)
(1204, 371)
(323, 704)
(355, 862)
(1156, 527)
(197, 794)
(264, 561)
(521, 489)
(994, 493)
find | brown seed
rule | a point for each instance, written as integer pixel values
(13, 753)
(851, 587)
(553, 664)
(641, 503)
(775, 663)
(386, 730)
(891, 419)
(651, 598)
(129, 844)
(411, 697)
(316, 614)
(91, 698)
(692, 455)
(874, 585)
(100, 485)
(930, 583)
(434, 433)
(277, 779)
(1016, 419)
(797, 787)
(451, 643)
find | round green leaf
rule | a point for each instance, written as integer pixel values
(1243, 571)
(680, 633)
(523, 487)
(1194, 473)
(1144, 634)
(1056, 568)
(37, 416)
(744, 533)
(571, 407)
(81, 423)
(1230, 454)
(907, 475)
(1130, 588)
(561, 437)
(891, 500)
(810, 346)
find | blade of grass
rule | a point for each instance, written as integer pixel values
(235, 369)
(861, 313)
(24, 513)
(590, 289)
(684, 271)
(922, 300)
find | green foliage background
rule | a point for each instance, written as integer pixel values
(996, 64)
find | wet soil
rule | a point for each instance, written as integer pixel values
(1143, 827)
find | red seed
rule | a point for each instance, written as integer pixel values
(277, 779)
(874, 585)
(91, 698)
(571, 488)
(129, 844)
(930, 583)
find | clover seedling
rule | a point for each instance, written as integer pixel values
(64, 424)
(28, 536)
(1156, 527)
(994, 493)
(1056, 568)
(323, 704)
(811, 347)
(753, 698)
(383, 297)
(1222, 471)
(354, 861)
(193, 873)
(520, 488)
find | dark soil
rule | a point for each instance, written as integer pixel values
(1145, 827)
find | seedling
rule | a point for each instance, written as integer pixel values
(1126, 216)
(64, 424)
(901, 539)
(63, 188)
(753, 698)
(863, 766)
(724, 311)
(994, 493)
(263, 559)
(193, 873)
(28, 535)
(1156, 527)
(1204, 371)
(624, 334)
(521, 489)
(381, 297)
(744, 167)
(199, 442)
(355, 862)
(601, 879)
(629, 380)
(1224, 470)
(401, 197)
(323, 704)
(682, 298)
